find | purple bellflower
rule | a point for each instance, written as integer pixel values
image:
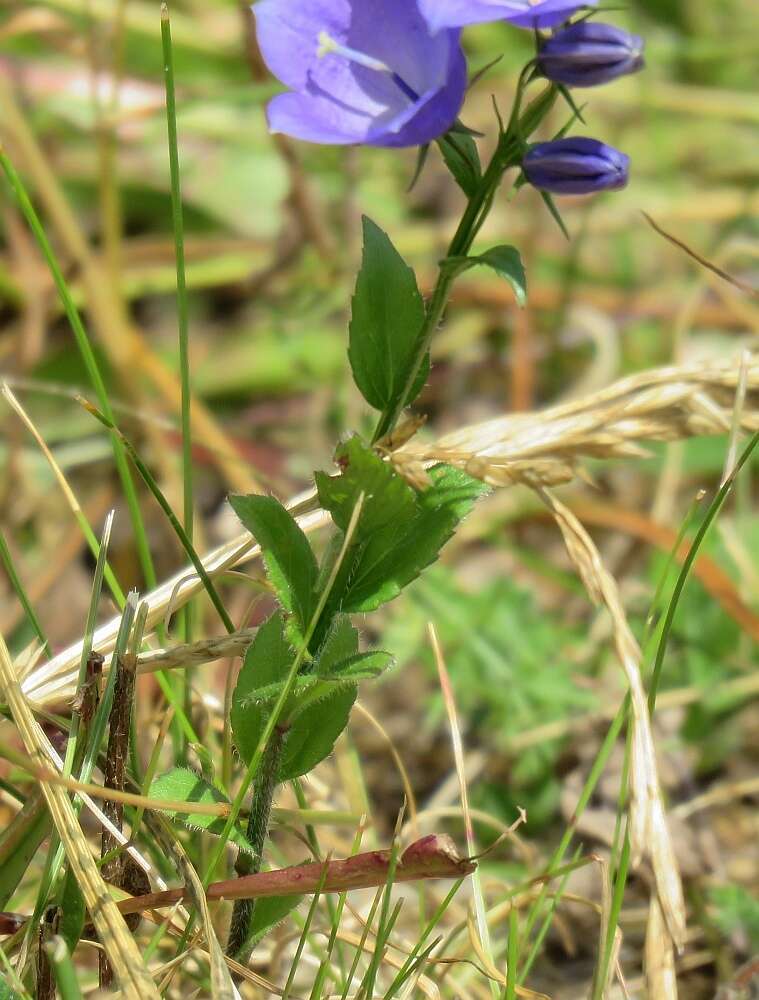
(576, 166)
(523, 13)
(590, 53)
(360, 71)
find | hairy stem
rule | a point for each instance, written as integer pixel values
(239, 945)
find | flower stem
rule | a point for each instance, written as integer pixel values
(240, 944)
(508, 154)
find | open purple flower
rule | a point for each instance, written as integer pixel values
(589, 53)
(523, 13)
(576, 166)
(360, 71)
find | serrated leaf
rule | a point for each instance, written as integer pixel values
(463, 160)
(183, 785)
(506, 261)
(399, 532)
(388, 499)
(386, 319)
(290, 563)
(269, 912)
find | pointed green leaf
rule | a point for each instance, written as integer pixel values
(319, 713)
(386, 319)
(463, 160)
(361, 667)
(289, 561)
(268, 913)
(340, 644)
(313, 734)
(507, 262)
(183, 785)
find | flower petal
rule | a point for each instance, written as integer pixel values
(523, 13)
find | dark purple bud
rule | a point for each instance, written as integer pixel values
(576, 166)
(589, 53)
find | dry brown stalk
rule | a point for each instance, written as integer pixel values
(432, 857)
(132, 975)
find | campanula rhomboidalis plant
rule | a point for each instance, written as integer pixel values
(390, 74)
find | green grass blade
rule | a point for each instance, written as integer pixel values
(90, 362)
(15, 579)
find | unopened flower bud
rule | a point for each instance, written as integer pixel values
(576, 166)
(589, 53)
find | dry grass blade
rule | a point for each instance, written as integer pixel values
(649, 833)
(664, 404)
(659, 956)
(134, 979)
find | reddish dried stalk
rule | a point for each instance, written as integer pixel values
(431, 857)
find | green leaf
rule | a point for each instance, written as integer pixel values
(183, 785)
(463, 160)
(267, 661)
(361, 667)
(313, 734)
(290, 563)
(314, 729)
(319, 711)
(340, 644)
(507, 262)
(269, 912)
(387, 317)
(73, 911)
(19, 842)
(399, 532)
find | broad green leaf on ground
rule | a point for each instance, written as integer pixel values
(463, 160)
(183, 785)
(386, 319)
(399, 532)
(289, 561)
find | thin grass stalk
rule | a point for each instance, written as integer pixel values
(304, 936)
(711, 514)
(63, 968)
(20, 591)
(177, 216)
(90, 362)
(362, 943)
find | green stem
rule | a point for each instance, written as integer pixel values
(508, 154)
(184, 684)
(239, 946)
